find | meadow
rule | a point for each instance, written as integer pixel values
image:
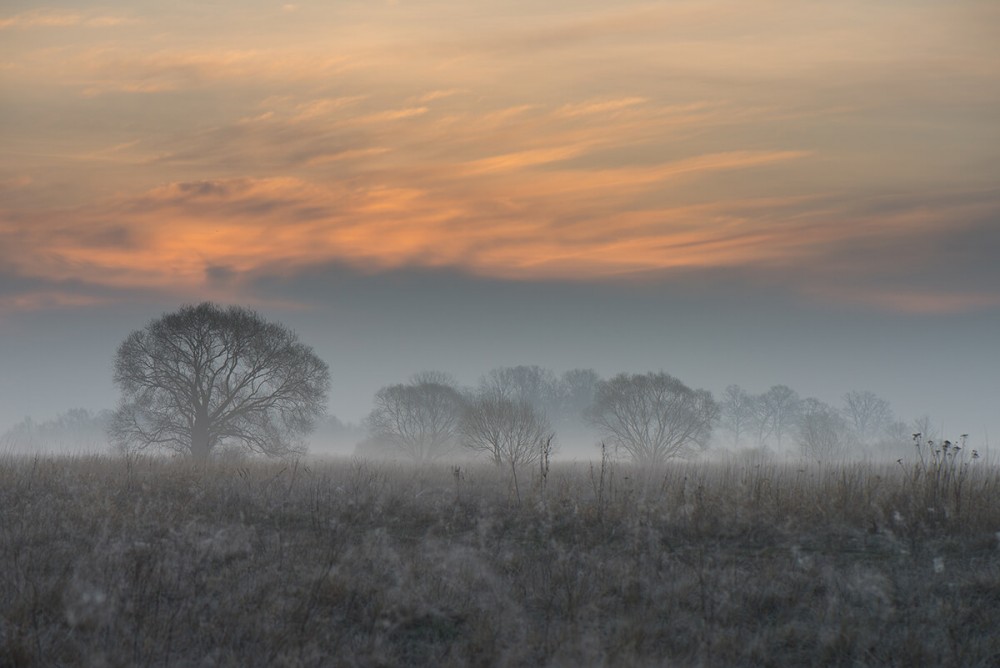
(146, 561)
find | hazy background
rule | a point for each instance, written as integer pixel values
(777, 192)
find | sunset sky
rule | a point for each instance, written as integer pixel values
(752, 192)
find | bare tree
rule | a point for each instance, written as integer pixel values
(925, 429)
(531, 384)
(419, 419)
(777, 412)
(208, 375)
(511, 432)
(436, 377)
(821, 431)
(736, 411)
(577, 389)
(653, 416)
(867, 413)
(897, 432)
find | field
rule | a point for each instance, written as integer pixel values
(158, 562)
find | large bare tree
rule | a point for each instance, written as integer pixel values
(419, 419)
(209, 375)
(653, 416)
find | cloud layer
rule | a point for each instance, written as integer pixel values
(843, 153)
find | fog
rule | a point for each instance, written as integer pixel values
(786, 195)
(376, 331)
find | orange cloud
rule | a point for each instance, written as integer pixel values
(172, 236)
(522, 159)
(913, 300)
(571, 143)
(599, 107)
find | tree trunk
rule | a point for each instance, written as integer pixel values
(200, 444)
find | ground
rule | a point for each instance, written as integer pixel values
(151, 561)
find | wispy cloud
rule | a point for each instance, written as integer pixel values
(49, 299)
(569, 142)
(912, 300)
(522, 159)
(101, 71)
(437, 95)
(599, 106)
(179, 237)
(52, 18)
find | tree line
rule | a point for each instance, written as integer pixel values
(512, 415)
(207, 378)
(650, 417)
(816, 428)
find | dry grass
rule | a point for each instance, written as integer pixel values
(158, 562)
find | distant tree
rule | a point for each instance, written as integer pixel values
(925, 427)
(577, 390)
(419, 419)
(76, 430)
(508, 431)
(867, 413)
(653, 417)
(777, 412)
(434, 377)
(737, 409)
(209, 376)
(332, 435)
(531, 384)
(821, 431)
(897, 433)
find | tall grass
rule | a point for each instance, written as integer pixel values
(152, 561)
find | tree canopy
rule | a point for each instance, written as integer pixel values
(419, 419)
(509, 431)
(653, 416)
(208, 375)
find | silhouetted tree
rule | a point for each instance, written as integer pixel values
(867, 413)
(925, 427)
(777, 411)
(821, 431)
(653, 416)
(509, 431)
(736, 411)
(897, 433)
(419, 419)
(533, 385)
(577, 389)
(208, 375)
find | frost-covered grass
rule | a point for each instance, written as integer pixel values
(159, 562)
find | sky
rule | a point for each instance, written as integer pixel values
(801, 192)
